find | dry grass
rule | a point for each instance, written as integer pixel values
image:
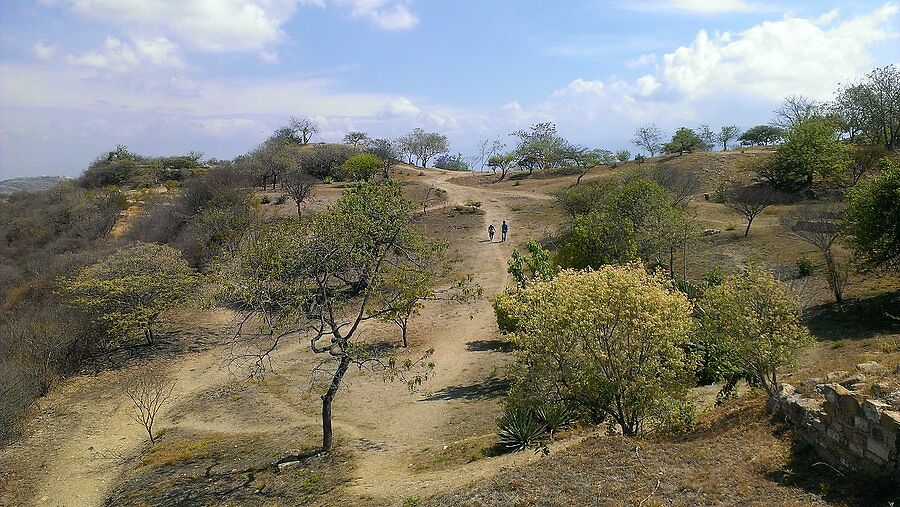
(193, 468)
(736, 456)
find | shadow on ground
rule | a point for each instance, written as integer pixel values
(489, 346)
(856, 318)
(490, 388)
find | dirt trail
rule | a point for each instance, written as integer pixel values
(87, 452)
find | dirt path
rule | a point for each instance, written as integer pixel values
(85, 450)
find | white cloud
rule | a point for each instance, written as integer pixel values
(270, 57)
(641, 61)
(44, 51)
(697, 6)
(646, 85)
(401, 107)
(201, 24)
(774, 58)
(385, 14)
(712, 6)
(224, 126)
(118, 56)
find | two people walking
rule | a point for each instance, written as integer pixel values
(504, 229)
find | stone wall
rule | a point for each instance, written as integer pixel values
(847, 431)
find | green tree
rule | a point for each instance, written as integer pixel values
(502, 161)
(424, 145)
(430, 276)
(357, 139)
(623, 156)
(536, 265)
(130, 289)
(684, 141)
(872, 218)
(540, 147)
(811, 148)
(761, 135)
(604, 343)
(362, 166)
(321, 279)
(752, 325)
(727, 134)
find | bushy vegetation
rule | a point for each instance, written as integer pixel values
(607, 343)
(129, 290)
(873, 218)
(750, 326)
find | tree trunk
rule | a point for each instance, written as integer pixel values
(299, 211)
(403, 327)
(833, 277)
(747, 231)
(148, 334)
(327, 398)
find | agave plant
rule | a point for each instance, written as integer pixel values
(554, 417)
(520, 430)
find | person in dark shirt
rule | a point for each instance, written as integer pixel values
(504, 229)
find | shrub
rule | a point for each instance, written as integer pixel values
(127, 291)
(281, 199)
(714, 277)
(607, 342)
(872, 218)
(804, 267)
(750, 327)
(265, 200)
(362, 167)
(520, 430)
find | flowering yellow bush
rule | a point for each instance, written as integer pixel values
(604, 343)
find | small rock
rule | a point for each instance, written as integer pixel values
(853, 380)
(711, 232)
(870, 367)
(836, 375)
(287, 464)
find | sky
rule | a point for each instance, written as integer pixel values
(78, 77)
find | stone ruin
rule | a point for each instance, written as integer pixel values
(849, 429)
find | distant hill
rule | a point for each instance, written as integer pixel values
(34, 184)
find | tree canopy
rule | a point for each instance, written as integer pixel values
(872, 218)
(127, 291)
(602, 343)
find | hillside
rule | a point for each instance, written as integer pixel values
(32, 184)
(221, 432)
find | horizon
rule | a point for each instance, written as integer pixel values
(78, 77)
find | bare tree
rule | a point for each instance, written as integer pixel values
(682, 184)
(751, 200)
(795, 109)
(486, 149)
(356, 139)
(303, 129)
(299, 185)
(148, 391)
(387, 151)
(648, 138)
(819, 225)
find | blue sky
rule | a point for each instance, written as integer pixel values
(78, 77)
